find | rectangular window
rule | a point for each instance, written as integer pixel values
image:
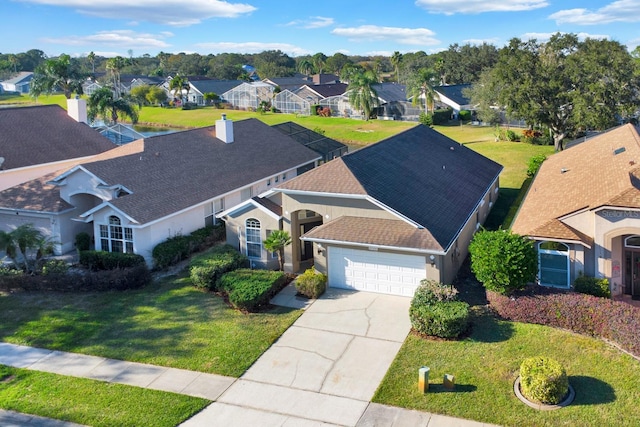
(218, 205)
(554, 268)
(246, 193)
(254, 246)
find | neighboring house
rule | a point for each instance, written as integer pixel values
(36, 141)
(137, 195)
(20, 83)
(248, 96)
(393, 103)
(316, 93)
(583, 211)
(379, 219)
(452, 96)
(328, 148)
(200, 87)
(299, 80)
(127, 82)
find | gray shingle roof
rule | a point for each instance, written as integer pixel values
(216, 86)
(389, 92)
(45, 134)
(454, 93)
(179, 170)
(420, 173)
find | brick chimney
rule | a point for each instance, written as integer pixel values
(224, 129)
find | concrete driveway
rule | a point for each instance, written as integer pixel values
(324, 369)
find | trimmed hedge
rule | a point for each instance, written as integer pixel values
(441, 117)
(311, 283)
(178, 248)
(431, 291)
(101, 260)
(250, 289)
(592, 286)
(585, 314)
(206, 269)
(543, 380)
(440, 319)
(80, 280)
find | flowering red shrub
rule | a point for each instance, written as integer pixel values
(585, 314)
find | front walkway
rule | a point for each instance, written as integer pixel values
(323, 371)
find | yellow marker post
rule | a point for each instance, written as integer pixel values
(423, 379)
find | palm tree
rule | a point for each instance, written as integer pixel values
(276, 242)
(57, 74)
(13, 60)
(178, 84)
(421, 85)
(91, 57)
(361, 93)
(22, 241)
(103, 103)
(396, 59)
(319, 60)
(114, 66)
(305, 66)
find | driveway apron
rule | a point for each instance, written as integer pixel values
(323, 370)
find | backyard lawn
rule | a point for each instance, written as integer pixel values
(169, 323)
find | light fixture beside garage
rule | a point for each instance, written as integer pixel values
(432, 258)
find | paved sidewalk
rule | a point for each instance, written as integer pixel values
(323, 371)
(198, 384)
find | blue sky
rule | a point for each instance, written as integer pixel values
(353, 27)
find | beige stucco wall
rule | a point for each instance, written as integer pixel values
(236, 235)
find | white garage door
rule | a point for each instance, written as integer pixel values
(372, 271)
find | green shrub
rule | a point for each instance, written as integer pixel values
(440, 319)
(431, 291)
(54, 266)
(101, 260)
(592, 286)
(442, 117)
(179, 247)
(534, 164)
(426, 119)
(314, 109)
(311, 283)
(543, 380)
(503, 261)
(205, 270)
(464, 115)
(250, 289)
(83, 242)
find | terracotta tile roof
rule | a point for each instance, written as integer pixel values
(375, 231)
(168, 173)
(598, 172)
(34, 195)
(420, 173)
(45, 134)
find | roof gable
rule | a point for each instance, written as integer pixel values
(588, 175)
(176, 171)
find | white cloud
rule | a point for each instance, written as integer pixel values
(451, 7)
(252, 47)
(118, 38)
(169, 12)
(618, 11)
(410, 36)
(478, 42)
(544, 37)
(312, 22)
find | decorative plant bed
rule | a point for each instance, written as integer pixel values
(571, 394)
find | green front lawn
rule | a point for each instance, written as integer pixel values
(92, 402)
(169, 323)
(486, 363)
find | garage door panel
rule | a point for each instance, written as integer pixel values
(374, 271)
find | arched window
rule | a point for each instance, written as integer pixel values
(553, 262)
(116, 238)
(254, 241)
(632, 242)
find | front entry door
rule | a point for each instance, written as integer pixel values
(632, 274)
